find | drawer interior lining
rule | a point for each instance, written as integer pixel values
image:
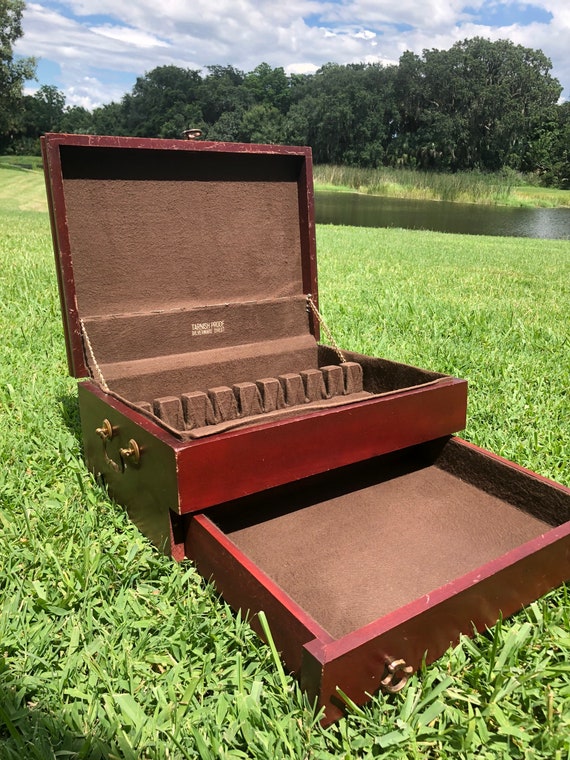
(351, 555)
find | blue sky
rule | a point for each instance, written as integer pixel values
(93, 50)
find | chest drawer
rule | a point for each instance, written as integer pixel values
(365, 571)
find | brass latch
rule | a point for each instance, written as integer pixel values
(105, 432)
(192, 134)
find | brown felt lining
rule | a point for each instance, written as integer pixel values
(356, 544)
(223, 408)
(129, 337)
(188, 276)
(381, 375)
(147, 379)
(278, 414)
(150, 245)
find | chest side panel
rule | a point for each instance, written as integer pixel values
(145, 485)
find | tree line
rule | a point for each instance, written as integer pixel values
(479, 105)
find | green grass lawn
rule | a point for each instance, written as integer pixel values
(109, 650)
(21, 190)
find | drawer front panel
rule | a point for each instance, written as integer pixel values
(217, 470)
(420, 629)
(428, 627)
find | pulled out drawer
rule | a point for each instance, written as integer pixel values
(366, 570)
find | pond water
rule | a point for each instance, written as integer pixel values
(442, 216)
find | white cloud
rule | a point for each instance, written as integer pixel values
(301, 68)
(90, 92)
(427, 15)
(365, 35)
(133, 37)
(107, 36)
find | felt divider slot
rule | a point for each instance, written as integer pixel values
(199, 409)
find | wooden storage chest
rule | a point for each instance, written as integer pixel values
(319, 485)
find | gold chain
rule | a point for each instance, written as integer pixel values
(323, 324)
(92, 357)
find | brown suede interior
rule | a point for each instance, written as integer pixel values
(187, 269)
(147, 379)
(204, 412)
(186, 254)
(199, 413)
(358, 543)
(188, 279)
(153, 233)
(125, 338)
(382, 375)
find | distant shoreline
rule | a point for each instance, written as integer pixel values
(501, 189)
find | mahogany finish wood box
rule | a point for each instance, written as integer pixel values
(319, 485)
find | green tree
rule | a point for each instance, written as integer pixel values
(44, 110)
(41, 112)
(223, 93)
(296, 125)
(163, 103)
(109, 119)
(269, 87)
(476, 105)
(77, 120)
(13, 71)
(228, 128)
(349, 113)
(551, 158)
(515, 94)
(263, 123)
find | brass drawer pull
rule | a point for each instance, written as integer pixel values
(106, 430)
(133, 453)
(397, 677)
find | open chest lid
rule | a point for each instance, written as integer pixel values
(172, 247)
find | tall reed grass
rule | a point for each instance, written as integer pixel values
(468, 187)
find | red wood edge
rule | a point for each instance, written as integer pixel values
(308, 239)
(62, 251)
(145, 421)
(151, 143)
(426, 628)
(52, 142)
(48, 179)
(154, 427)
(237, 578)
(455, 385)
(322, 441)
